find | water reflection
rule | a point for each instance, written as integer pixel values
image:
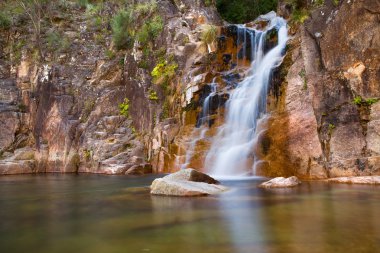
(95, 214)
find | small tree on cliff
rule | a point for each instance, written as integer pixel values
(35, 9)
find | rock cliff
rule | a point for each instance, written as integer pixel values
(62, 112)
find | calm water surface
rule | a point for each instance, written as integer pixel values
(107, 214)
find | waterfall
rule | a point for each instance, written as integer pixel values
(231, 152)
(200, 132)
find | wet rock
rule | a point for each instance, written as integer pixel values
(139, 169)
(374, 180)
(186, 183)
(281, 182)
(191, 175)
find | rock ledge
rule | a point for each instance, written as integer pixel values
(375, 180)
(281, 182)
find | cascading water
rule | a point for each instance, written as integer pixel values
(231, 152)
(200, 132)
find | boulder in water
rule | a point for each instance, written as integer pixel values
(186, 183)
(374, 180)
(281, 182)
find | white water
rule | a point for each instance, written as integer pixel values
(199, 133)
(231, 152)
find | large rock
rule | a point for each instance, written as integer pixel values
(281, 182)
(356, 180)
(191, 175)
(186, 183)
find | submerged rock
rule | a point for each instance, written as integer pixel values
(357, 180)
(281, 182)
(186, 183)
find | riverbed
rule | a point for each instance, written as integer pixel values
(57, 213)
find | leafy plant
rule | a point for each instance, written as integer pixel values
(357, 100)
(164, 71)
(124, 108)
(335, 2)
(153, 95)
(371, 101)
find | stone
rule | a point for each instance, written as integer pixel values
(281, 182)
(163, 186)
(374, 180)
(139, 169)
(186, 183)
(191, 175)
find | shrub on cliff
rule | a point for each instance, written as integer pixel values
(242, 11)
(122, 29)
(5, 21)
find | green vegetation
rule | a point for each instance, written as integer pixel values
(122, 31)
(153, 95)
(357, 100)
(56, 42)
(124, 108)
(335, 2)
(300, 15)
(110, 54)
(319, 3)
(164, 71)
(368, 102)
(371, 101)
(5, 21)
(208, 3)
(242, 11)
(302, 74)
(88, 108)
(150, 30)
(87, 154)
(209, 34)
(331, 128)
(145, 9)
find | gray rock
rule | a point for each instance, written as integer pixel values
(186, 183)
(281, 182)
(357, 180)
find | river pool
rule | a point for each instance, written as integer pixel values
(112, 214)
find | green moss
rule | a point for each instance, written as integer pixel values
(124, 108)
(87, 154)
(302, 74)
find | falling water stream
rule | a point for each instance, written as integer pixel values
(231, 152)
